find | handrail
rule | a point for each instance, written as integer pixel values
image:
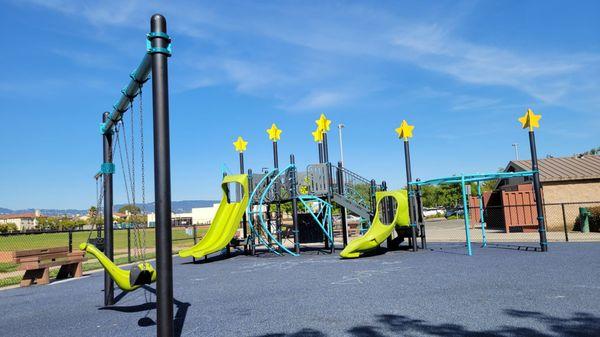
(251, 213)
(260, 215)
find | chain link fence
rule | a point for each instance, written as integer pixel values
(125, 248)
(515, 226)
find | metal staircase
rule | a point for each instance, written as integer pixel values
(346, 188)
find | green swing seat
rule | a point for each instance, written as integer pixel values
(127, 280)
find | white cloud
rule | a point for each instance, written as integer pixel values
(307, 39)
(319, 100)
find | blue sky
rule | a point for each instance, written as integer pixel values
(461, 72)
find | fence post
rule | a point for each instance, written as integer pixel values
(194, 232)
(70, 240)
(420, 219)
(565, 222)
(343, 214)
(128, 244)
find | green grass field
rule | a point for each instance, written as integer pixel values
(49, 240)
(10, 272)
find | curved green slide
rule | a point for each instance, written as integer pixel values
(120, 276)
(379, 231)
(226, 220)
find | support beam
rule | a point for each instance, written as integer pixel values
(538, 193)
(294, 196)
(107, 145)
(411, 197)
(162, 177)
(244, 217)
(138, 77)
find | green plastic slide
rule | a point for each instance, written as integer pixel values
(226, 221)
(121, 277)
(380, 231)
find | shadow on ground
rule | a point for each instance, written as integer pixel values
(580, 324)
(146, 321)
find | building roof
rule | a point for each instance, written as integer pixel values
(563, 168)
(19, 216)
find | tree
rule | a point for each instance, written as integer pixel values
(93, 211)
(131, 209)
(8, 227)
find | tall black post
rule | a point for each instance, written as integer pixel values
(252, 238)
(329, 182)
(538, 193)
(320, 148)
(162, 175)
(373, 190)
(411, 195)
(421, 221)
(294, 195)
(343, 214)
(325, 148)
(277, 196)
(244, 218)
(107, 145)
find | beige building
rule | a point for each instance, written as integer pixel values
(198, 216)
(567, 184)
(23, 221)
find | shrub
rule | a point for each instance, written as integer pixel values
(594, 220)
(8, 227)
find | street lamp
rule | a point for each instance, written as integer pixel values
(516, 146)
(340, 127)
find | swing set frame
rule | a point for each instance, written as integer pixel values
(158, 49)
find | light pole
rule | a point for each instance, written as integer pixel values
(516, 146)
(340, 127)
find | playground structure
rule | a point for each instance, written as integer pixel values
(312, 194)
(158, 49)
(529, 121)
(255, 199)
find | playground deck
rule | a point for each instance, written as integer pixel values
(496, 292)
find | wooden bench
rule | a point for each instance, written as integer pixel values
(37, 263)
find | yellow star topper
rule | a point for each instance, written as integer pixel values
(317, 135)
(274, 133)
(530, 120)
(405, 130)
(323, 123)
(240, 144)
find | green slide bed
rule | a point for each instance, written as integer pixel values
(226, 221)
(380, 231)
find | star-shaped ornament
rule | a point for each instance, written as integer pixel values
(530, 120)
(405, 130)
(323, 123)
(274, 133)
(317, 135)
(240, 144)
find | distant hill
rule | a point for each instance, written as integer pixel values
(182, 206)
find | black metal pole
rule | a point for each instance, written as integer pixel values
(329, 182)
(421, 221)
(411, 201)
(162, 178)
(277, 199)
(294, 195)
(325, 148)
(128, 244)
(564, 215)
(244, 218)
(109, 287)
(373, 190)
(538, 193)
(70, 240)
(343, 215)
(252, 238)
(320, 148)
